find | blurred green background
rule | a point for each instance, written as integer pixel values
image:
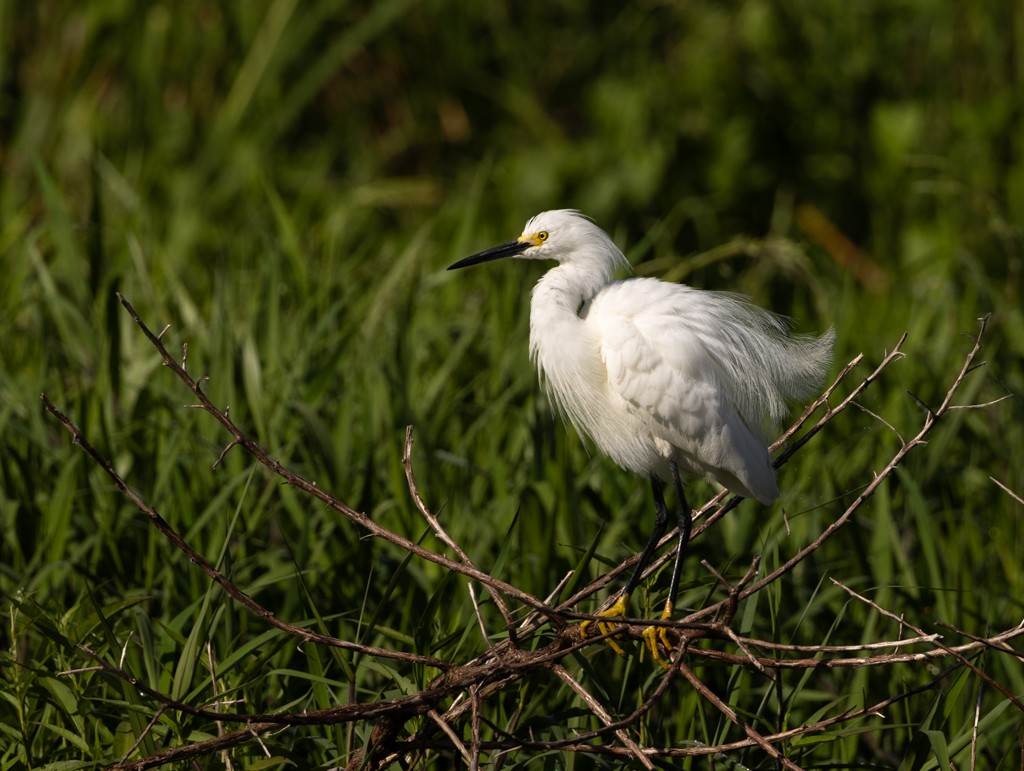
(284, 183)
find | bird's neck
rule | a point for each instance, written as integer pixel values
(561, 291)
(555, 310)
(568, 286)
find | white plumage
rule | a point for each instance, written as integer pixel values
(657, 374)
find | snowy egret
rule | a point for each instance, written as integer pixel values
(665, 379)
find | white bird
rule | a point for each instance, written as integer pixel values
(665, 379)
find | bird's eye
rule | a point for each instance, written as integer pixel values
(542, 235)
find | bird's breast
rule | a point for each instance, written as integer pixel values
(566, 352)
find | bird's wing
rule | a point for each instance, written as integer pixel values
(658, 363)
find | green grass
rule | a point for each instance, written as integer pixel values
(284, 185)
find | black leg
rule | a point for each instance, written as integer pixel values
(660, 523)
(685, 525)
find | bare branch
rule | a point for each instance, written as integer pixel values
(312, 490)
(726, 710)
(602, 714)
(447, 729)
(428, 515)
(980, 405)
(441, 533)
(1008, 491)
(881, 420)
(476, 610)
(224, 452)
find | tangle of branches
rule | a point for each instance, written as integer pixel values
(454, 703)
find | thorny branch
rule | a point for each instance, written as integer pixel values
(465, 687)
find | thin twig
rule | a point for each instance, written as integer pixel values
(1008, 491)
(479, 618)
(602, 714)
(144, 732)
(974, 727)
(989, 641)
(440, 532)
(530, 617)
(447, 730)
(881, 420)
(730, 713)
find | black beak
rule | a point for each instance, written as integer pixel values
(510, 249)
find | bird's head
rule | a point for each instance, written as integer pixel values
(562, 235)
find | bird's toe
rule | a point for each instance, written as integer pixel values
(605, 626)
(657, 642)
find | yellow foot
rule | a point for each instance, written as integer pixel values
(618, 610)
(656, 638)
